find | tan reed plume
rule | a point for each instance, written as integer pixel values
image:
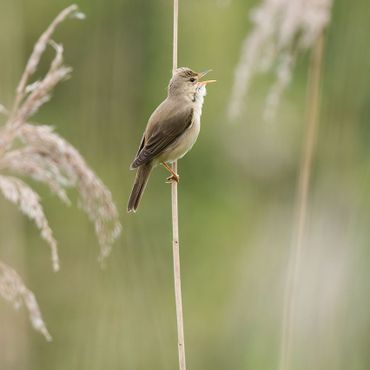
(281, 30)
(37, 152)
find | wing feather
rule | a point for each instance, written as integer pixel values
(163, 134)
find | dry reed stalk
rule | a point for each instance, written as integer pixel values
(313, 99)
(35, 151)
(175, 223)
(282, 29)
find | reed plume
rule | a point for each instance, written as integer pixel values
(14, 291)
(281, 30)
(29, 150)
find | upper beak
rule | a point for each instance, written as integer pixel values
(202, 74)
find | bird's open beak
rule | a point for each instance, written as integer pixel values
(202, 74)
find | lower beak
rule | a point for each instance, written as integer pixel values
(201, 83)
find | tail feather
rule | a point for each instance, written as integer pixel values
(141, 179)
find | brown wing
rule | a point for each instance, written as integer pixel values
(142, 143)
(163, 134)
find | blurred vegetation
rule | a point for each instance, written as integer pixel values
(236, 197)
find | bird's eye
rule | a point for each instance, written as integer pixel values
(192, 79)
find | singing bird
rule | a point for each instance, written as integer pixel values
(171, 131)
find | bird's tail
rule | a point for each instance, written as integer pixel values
(141, 179)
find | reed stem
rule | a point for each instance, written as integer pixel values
(175, 223)
(313, 100)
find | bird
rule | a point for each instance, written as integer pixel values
(171, 131)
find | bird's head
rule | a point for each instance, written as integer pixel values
(187, 83)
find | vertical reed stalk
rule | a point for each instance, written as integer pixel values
(313, 100)
(175, 223)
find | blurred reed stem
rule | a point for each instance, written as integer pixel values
(175, 222)
(299, 231)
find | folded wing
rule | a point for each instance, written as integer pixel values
(161, 134)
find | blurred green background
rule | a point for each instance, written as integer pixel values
(236, 196)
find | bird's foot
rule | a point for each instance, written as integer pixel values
(173, 178)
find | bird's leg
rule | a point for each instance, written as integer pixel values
(174, 176)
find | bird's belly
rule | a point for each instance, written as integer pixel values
(183, 144)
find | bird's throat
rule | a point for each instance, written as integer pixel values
(198, 96)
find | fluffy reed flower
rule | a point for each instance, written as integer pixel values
(35, 151)
(13, 290)
(28, 202)
(281, 29)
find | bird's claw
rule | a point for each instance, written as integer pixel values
(173, 178)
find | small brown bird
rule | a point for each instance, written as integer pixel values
(171, 131)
